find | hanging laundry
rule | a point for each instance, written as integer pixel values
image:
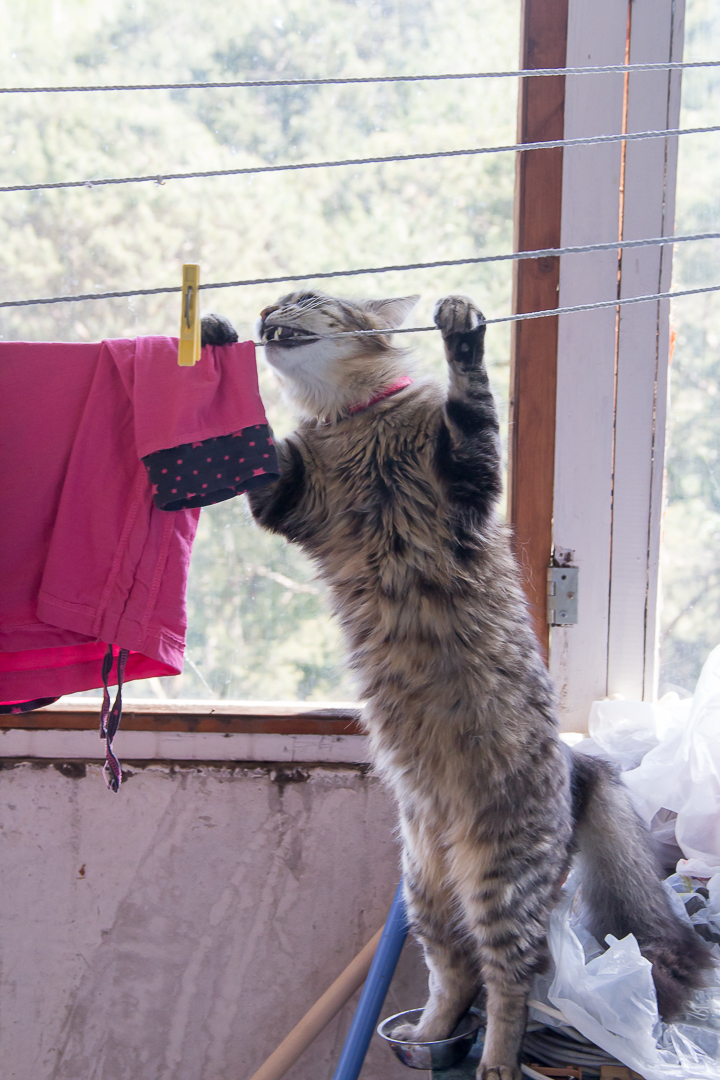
(107, 452)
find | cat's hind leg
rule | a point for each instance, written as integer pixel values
(450, 956)
(506, 905)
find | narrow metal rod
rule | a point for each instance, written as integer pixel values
(245, 83)
(376, 987)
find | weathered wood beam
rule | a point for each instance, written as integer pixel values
(538, 206)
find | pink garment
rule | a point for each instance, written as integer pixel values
(86, 558)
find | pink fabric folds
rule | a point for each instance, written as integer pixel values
(86, 558)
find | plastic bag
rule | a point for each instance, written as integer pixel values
(625, 731)
(682, 773)
(670, 756)
(611, 1000)
(700, 901)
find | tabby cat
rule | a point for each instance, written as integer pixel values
(390, 486)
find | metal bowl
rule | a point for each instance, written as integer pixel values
(442, 1054)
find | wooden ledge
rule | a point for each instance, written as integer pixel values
(226, 717)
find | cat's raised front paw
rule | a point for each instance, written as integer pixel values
(457, 315)
(217, 330)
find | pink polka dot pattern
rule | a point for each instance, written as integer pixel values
(213, 470)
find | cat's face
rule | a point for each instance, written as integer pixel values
(323, 374)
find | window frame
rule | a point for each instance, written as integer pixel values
(606, 419)
(227, 718)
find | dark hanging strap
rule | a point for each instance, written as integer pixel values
(110, 717)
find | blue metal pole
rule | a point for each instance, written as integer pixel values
(376, 987)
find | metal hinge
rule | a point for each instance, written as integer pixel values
(562, 595)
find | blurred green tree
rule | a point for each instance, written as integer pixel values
(690, 558)
(258, 626)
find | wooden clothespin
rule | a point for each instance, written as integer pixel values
(189, 343)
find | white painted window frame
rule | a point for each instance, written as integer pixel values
(613, 363)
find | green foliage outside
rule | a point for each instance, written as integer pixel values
(690, 565)
(257, 622)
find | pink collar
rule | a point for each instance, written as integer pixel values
(395, 388)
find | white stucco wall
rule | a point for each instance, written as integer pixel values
(178, 930)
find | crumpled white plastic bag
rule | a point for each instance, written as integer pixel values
(698, 902)
(624, 730)
(670, 756)
(611, 1001)
(682, 773)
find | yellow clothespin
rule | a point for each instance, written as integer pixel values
(189, 343)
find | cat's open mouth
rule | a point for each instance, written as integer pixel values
(287, 336)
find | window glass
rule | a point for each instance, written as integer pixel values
(258, 627)
(690, 562)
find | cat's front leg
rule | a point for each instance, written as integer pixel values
(279, 506)
(468, 454)
(217, 330)
(462, 325)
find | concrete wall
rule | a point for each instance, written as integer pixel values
(178, 930)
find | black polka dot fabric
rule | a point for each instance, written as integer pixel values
(203, 473)
(27, 706)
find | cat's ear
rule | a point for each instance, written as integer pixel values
(394, 311)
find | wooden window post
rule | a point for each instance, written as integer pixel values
(582, 511)
(538, 204)
(588, 391)
(648, 209)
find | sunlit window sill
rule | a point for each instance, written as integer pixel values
(237, 731)
(225, 717)
(209, 731)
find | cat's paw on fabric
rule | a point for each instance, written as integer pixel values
(217, 330)
(457, 315)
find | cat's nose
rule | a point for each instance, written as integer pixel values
(263, 316)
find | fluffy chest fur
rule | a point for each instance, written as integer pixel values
(425, 592)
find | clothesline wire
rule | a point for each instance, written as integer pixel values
(160, 178)
(536, 253)
(524, 316)
(369, 79)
